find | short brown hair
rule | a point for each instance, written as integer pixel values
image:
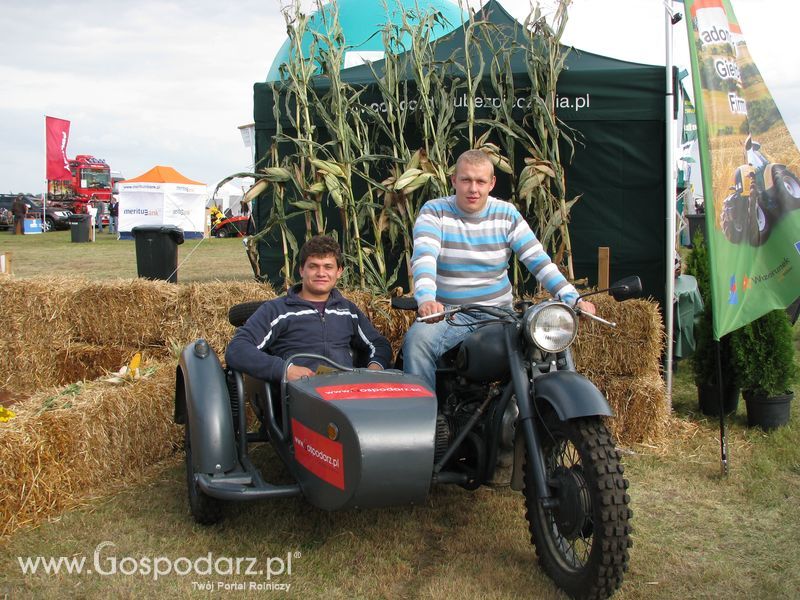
(321, 245)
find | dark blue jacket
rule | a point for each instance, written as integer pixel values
(290, 324)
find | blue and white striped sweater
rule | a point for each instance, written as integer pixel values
(462, 258)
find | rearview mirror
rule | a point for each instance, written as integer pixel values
(628, 287)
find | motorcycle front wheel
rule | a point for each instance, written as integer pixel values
(582, 542)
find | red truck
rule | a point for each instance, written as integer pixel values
(91, 180)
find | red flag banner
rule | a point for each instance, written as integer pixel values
(56, 137)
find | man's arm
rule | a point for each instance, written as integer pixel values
(530, 251)
(427, 245)
(246, 352)
(369, 339)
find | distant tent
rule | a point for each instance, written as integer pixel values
(162, 196)
(619, 166)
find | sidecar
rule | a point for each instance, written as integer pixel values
(349, 438)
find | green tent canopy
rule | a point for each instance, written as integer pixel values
(617, 107)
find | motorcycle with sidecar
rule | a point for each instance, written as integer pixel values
(507, 397)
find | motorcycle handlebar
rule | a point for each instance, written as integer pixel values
(494, 311)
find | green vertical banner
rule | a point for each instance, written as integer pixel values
(750, 165)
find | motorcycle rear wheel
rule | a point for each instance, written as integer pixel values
(582, 543)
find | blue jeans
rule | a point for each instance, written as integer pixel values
(426, 342)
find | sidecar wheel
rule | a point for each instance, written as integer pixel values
(582, 543)
(205, 509)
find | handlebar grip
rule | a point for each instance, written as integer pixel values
(404, 303)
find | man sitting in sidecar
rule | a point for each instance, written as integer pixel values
(312, 318)
(312, 367)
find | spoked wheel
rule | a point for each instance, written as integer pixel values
(582, 542)
(205, 509)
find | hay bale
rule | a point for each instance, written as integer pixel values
(79, 361)
(55, 320)
(390, 322)
(641, 411)
(65, 444)
(36, 323)
(634, 347)
(129, 312)
(203, 309)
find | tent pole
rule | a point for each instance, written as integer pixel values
(670, 203)
(44, 195)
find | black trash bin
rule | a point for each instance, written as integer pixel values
(80, 227)
(696, 223)
(157, 251)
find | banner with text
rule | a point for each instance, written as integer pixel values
(750, 170)
(56, 138)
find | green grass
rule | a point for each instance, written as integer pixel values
(53, 253)
(697, 534)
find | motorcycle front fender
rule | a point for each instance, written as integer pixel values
(202, 401)
(571, 395)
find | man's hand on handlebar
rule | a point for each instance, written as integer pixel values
(431, 308)
(295, 372)
(584, 306)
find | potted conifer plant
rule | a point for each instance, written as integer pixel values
(704, 358)
(763, 356)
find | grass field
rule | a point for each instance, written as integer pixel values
(198, 260)
(697, 534)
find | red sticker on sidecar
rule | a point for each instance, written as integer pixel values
(318, 454)
(372, 391)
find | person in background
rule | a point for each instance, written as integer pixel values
(113, 214)
(312, 317)
(462, 245)
(102, 212)
(20, 210)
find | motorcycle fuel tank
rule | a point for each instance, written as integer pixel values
(362, 439)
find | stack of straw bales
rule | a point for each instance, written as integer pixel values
(63, 445)
(60, 331)
(625, 363)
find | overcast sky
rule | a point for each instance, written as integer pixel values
(165, 82)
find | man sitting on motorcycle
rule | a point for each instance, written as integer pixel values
(462, 245)
(313, 317)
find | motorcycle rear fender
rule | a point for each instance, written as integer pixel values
(571, 395)
(202, 401)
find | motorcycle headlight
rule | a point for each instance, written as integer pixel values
(551, 326)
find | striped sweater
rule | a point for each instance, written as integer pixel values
(462, 258)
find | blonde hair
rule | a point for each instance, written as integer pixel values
(474, 157)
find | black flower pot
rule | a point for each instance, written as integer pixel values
(768, 412)
(708, 398)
